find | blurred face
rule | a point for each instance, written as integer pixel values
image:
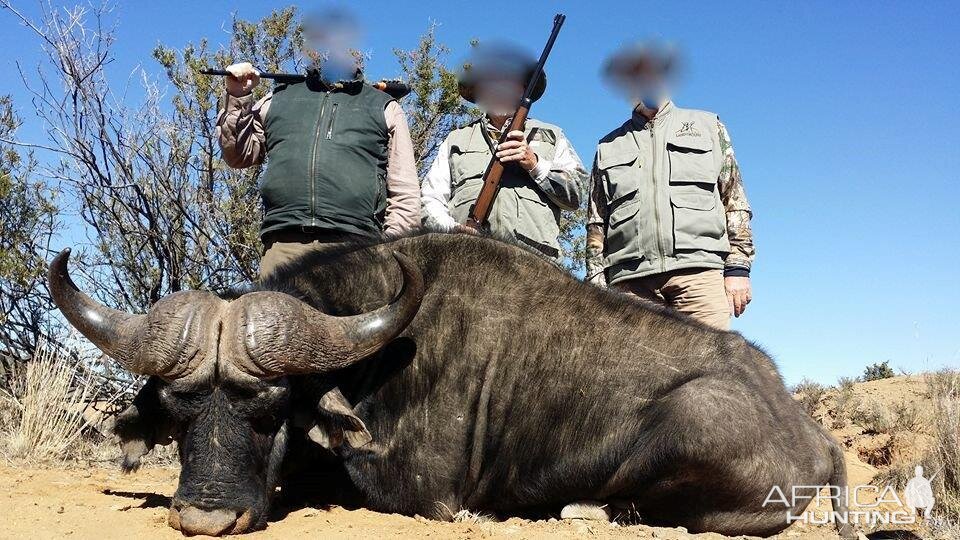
(499, 96)
(330, 42)
(645, 82)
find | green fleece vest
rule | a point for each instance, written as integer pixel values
(663, 201)
(520, 211)
(326, 159)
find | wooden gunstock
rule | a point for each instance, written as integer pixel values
(480, 211)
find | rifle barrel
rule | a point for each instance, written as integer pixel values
(396, 89)
(480, 210)
(558, 21)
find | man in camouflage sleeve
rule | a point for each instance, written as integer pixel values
(668, 219)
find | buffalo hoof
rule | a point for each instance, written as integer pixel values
(586, 510)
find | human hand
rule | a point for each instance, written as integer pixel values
(242, 80)
(470, 227)
(515, 148)
(739, 293)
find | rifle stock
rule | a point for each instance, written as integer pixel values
(480, 211)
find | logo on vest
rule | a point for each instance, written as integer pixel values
(687, 130)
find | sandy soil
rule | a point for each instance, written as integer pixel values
(103, 503)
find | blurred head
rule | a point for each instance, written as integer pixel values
(331, 43)
(495, 77)
(644, 73)
(219, 385)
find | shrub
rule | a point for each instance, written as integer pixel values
(845, 400)
(50, 395)
(874, 417)
(846, 383)
(881, 370)
(943, 388)
(810, 394)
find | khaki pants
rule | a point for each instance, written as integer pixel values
(696, 292)
(283, 247)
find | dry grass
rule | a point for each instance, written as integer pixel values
(810, 393)
(48, 399)
(466, 516)
(845, 403)
(943, 388)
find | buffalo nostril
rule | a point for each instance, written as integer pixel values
(192, 520)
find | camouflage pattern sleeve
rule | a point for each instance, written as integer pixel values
(737, 209)
(596, 230)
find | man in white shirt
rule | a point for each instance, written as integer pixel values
(543, 173)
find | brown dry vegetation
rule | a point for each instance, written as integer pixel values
(888, 426)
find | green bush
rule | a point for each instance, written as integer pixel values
(881, 370)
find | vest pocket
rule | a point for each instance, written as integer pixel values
(464, 194)
(623, 234)
(467, 164)
(536, 222)
(619, 163)
(698, 220)
(692, 160)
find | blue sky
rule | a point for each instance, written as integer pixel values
(843, 116)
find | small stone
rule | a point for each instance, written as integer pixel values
(581, 527)
(60, 510)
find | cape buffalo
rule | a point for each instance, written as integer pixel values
(440, 372)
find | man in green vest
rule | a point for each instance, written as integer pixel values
(543, 175)
(668, 218)
(341, 163)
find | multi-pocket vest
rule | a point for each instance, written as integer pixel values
(663, 201)
(520, 211)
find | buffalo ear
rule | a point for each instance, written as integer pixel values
(335, 423)
(143, 425)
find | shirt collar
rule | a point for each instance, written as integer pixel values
(641, 121)
(493, 131)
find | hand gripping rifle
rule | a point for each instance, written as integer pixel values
(395, 89)
(480, 211)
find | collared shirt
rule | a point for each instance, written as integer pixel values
(240, 131)
(560, 179)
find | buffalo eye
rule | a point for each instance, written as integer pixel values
(183, 403)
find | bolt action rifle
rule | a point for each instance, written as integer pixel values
(395, 89)
(480, 211)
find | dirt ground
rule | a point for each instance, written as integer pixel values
(99, 502)
(103, 503)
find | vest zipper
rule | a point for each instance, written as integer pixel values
(313, 163)
(656, 197)
(333, 117)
